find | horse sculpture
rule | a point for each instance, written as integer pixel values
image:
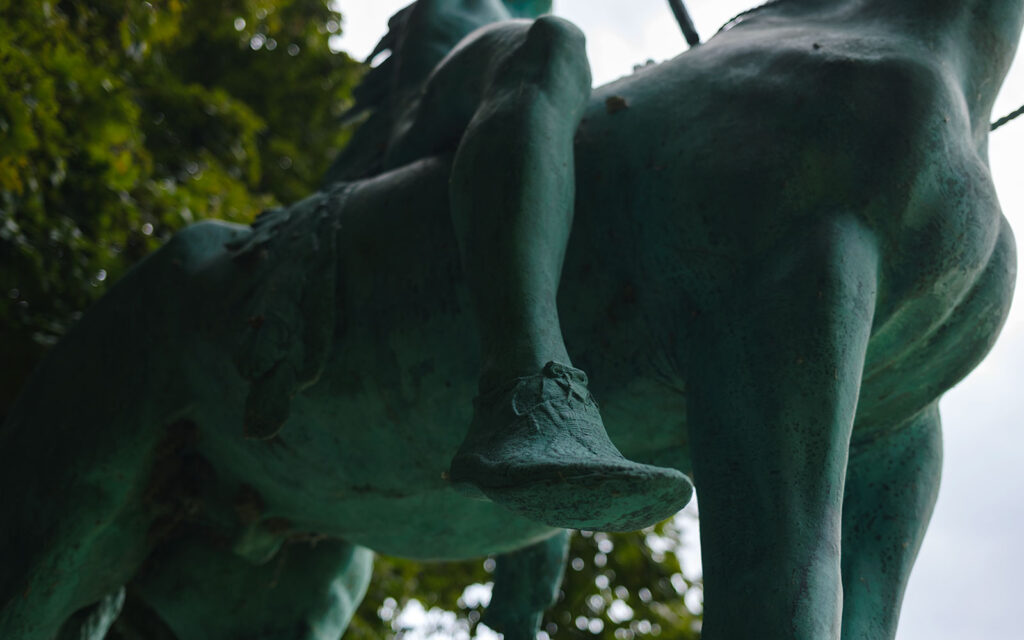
(786, 247)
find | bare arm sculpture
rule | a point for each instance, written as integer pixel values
(785, 247)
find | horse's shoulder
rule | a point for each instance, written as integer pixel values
(842, 74)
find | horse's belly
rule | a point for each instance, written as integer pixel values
(364, 451)
(378, 483)
(362, 457)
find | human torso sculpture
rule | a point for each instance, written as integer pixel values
(786, 247)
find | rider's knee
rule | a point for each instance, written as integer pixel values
(558, 38)
(559, 48)
(558, 31)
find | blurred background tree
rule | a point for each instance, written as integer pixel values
(618, 586)
(120, 123)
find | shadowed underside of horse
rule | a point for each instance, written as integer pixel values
(786, 247)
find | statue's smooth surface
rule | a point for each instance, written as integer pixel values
(785, 246)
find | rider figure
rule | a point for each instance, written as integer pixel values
(508, 98)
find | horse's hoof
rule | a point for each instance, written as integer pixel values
(538, 447)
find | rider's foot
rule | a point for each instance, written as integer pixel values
(538, 447)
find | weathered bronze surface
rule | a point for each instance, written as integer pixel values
(785, 247)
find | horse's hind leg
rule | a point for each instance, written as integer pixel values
(93, 622)
(202, 591)
(93, 432)
(526, 583)
(774, 381)
(66, 544)
(891, 485)
(74, 523)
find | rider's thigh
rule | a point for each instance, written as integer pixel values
(495, 59)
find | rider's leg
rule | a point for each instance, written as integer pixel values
(513, 188)
(537, 444)
(513, 93)
(774, 383)
(891, 485)
(305, 592)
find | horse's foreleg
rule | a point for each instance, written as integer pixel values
(891, 486)
(525, 584)
(774, 384)
(75, 524)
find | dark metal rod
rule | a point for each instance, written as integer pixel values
(1001, 121)
(685, 22)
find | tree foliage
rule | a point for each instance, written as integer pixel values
(121, 122)
(618, 586)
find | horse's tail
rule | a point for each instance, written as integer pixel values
(418, 37)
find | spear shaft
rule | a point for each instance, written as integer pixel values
(685, 22)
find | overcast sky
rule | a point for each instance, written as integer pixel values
(967, 581)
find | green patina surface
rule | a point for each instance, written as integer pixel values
(785, 246)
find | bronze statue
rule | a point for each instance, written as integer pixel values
(785, 246)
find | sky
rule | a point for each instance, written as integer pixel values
(968, 576)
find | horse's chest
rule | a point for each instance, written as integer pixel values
(752, 148)
(931, 340)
